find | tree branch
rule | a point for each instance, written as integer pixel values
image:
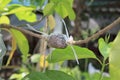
(100, 32)
(23, 30)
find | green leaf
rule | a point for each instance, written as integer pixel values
(4, 19)
(61, 10)
(55, 1)
(114, 59)
(71, 13)
(20, 9)
(68, 2)
(22, 43)
(15, 76)
(35, 58)
(18, 76)
(36, 76)
(48, 75)
(4, 3)
(104, 48)
(62, 7)
(41, 2)
(94, 76)
(13, 6)
(28, 16)
(67, 54)
(68, 5)
(58, 75)
(49, 8)
(51, 22)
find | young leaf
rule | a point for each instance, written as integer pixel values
(95, 76)
(104, 48)
(68, 2)
(70, 11)
(114, 59)
(58, 75)
(41, 2)
(4, 19)
(61, 10)
(18, 76)
(62, 7)
(51, 22)
(22, 43)
(4, 3)
(49, 8)
(35, 58)
(67, 54)
(13, 6)
(71, 14)
(55, 1)
(28, 16)
(20, 9)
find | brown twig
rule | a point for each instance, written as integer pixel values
(116, 22)
(22, 30)
(10, 67)
(113, 24)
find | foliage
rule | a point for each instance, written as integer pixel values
(4, 19)
(114, 59)
(67, 54)
(22, 43)
(18, 10)
(104, 48)
(48, 75)
(94, 76)
(35, 58)
(64, 9)
(74, 72)
(23, 71)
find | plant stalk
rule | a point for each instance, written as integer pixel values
(102, 70)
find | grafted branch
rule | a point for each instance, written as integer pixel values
(100, 32)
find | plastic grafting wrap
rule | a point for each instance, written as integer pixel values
(57, 40)
(2, 50)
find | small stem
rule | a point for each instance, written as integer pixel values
(99, 61)
(102, 70)
(86, 62)
(10, 67)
